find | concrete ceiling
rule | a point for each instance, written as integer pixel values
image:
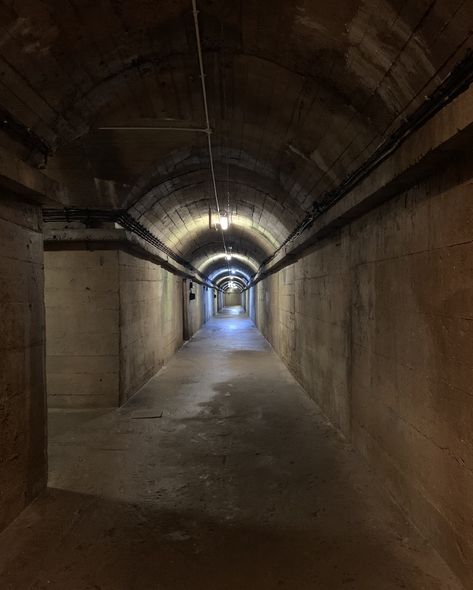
(300, 93)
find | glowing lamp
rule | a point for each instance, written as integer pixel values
(223, 221)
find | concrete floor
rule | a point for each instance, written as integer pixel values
(219, 475)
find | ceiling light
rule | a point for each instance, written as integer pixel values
(223, 221)
(228, 256)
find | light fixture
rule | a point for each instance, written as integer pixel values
(228, 256)
(219, 219)
(224, 222)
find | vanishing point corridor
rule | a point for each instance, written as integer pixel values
(236, 295)
(219, 474)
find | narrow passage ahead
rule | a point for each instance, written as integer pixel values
(219, 474)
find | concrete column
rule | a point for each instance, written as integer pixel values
(113, 318)
(23, 460)
(82, 323)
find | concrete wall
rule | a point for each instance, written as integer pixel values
(82, 322)
(214, 302)
(231, 299)
(150, 320)
(198, 310)
(23, 462)
(210, 304)
(220, 300)
(246, 300)
(377, 325)
(112, 320)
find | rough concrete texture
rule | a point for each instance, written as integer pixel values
(23, 463)
(150, 320)
(300, 93)
(232, 298)
(113, 320)
(82, 298)
(200, 309)
(219, 474)
(376, 324)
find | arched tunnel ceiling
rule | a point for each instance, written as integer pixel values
(176, 206)
(233, 274)
(241, 239)
(234, 270)
(217, 266)
(300, 93)
(209, 264)
(224, 280)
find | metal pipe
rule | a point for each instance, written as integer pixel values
(195, 13)
(151, 128)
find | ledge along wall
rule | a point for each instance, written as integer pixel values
(23, 460)
(112, 320)
(376, 323)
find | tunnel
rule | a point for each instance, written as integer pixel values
(236, 293)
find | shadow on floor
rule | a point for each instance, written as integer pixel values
(108, 545)
(220, 474)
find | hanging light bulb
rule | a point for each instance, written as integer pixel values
(224, 221)
(228, 256)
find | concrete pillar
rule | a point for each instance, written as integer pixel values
(82, 322)
(113, 319)
(220, 302)
(23, 460)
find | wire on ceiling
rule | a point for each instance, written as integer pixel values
(228, 256)
(195, 13)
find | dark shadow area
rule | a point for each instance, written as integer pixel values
(103, 544)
